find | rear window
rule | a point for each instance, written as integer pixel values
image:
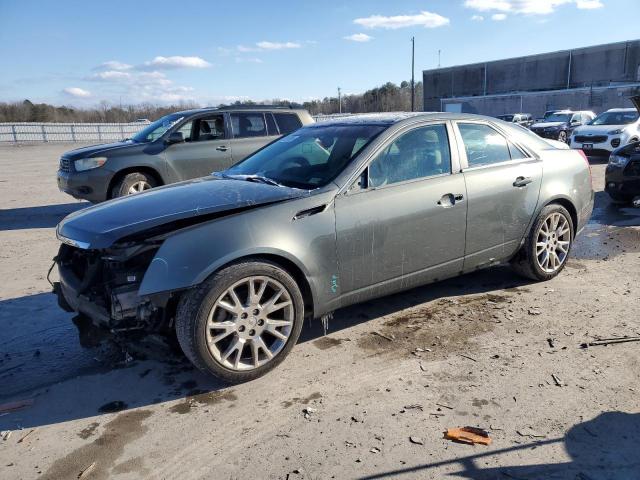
(287, 122)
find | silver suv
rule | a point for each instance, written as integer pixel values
(179, 146)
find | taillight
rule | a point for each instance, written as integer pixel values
(588, 165)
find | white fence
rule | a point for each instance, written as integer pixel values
(85, 132)
(67, 132)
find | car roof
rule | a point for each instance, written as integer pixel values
(392, 118)
(257, 108)
(622, 110)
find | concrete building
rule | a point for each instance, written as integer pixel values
(593, 78)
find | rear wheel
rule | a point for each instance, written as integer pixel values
(133, 183)
(546, 249)
(242, 322)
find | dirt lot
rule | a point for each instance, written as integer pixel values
(369, 400)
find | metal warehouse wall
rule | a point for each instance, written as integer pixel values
(536, 103)
(596, 66)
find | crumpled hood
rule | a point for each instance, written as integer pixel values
(95, 150)
(547, 124)
(102, 225)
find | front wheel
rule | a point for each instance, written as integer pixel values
(546, 248)
(242, 322)
(562, 137)
(132, 183)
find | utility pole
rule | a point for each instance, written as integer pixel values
(438, 58)
(339, 101)
(413, 83)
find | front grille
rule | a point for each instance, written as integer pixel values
(65, 164)
(590, 139)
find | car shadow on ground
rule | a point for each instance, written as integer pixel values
(45, 362)
(605, 447)
(47, 216)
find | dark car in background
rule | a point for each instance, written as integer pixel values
(179, 146)
(523, 119)
(336, 213)
(560, 124)
(622, 176)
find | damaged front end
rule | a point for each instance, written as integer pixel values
(103, 285)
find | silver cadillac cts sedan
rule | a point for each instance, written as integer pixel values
(332, 214)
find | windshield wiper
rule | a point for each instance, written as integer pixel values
(252, 178)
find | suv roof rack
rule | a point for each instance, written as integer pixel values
(260, 107)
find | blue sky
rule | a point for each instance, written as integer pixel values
(84, 52)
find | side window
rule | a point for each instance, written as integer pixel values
(484, 146)
(575, 118)
(186, 131)
(287, 122)
(210, 128)
(419, 153)
(516, 153)
(271, 124)
(586, 118)
(246, 124)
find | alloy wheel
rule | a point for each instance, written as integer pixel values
(250, 323)
(553, 242)
(138, 187)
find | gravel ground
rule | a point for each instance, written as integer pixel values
(369, 400)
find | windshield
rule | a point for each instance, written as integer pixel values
(310, 157)
(157, 128)
(615, 118)
(506, 118)
(558, 117)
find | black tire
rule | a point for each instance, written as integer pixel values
(123, 186)
(195, 306)
(525, 262)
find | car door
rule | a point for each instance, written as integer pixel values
(250, 132)
(402, 223)
(503, 184)
(205, 149)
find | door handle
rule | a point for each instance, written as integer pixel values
(449, 200)
(522, 181)
(222, 148)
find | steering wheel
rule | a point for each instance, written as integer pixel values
(299, 161)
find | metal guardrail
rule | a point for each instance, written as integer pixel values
(67, 132)
(85, 132)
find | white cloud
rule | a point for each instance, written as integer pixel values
(277, 45)
(174, 62)
(589, 4)
(359, 37)
(477, 18)
(77, 92)
(248, 60)
(110, 75)
(423, 19)
(528, 7)
(498, 17)
(114, 65)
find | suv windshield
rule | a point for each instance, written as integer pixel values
(558, 117)
(157, 128)
(615, 118)
(308, 158)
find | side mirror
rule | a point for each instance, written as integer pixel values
(174, 137)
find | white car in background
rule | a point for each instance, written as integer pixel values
(608, 131)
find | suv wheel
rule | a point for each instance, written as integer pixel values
(562, 137)
(546, 249)
(132, 183)
(242, 322)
